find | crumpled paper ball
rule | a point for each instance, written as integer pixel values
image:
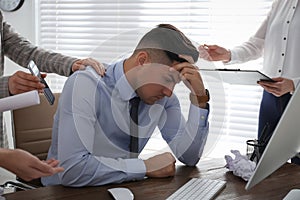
(240, 166)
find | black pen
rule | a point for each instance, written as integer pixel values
(264, 136)
(225, 69)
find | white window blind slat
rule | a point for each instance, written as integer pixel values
(110, 29)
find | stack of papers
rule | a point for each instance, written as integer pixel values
(19, 101)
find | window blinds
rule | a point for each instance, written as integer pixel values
(109, 29)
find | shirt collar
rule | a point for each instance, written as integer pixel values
(125, 90)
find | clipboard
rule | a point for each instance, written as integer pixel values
(236, 76)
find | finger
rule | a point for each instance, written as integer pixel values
(27, 85)
(202, 47)
(210, 47)
(189, 70)
(181, 66)
(102, 69)
(21, 86)
(43, 167)
(81, 66)
(99, 67)
(43, 75)
(203, 53)
(49, 160)
(53, 163)
(26, 79)
(278, 79)
(58, 169)
(48, 171)
(26, 76)
(268, 84)
(271, 90)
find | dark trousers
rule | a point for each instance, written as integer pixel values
(271, 109)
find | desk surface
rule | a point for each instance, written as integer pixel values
(275, 187)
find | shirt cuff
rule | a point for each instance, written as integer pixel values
(136, 169)
(198, 115)
(233, 58)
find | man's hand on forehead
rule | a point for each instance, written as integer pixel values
(175, 74)
(180, 66)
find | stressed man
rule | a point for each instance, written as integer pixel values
(96, 136)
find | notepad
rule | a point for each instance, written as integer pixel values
(19, 101)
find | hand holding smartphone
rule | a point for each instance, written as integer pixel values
(36, 72)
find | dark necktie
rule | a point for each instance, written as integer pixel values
(134, 133)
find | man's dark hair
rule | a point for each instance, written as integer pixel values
(170, 40)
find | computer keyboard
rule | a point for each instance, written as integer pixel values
(198, 188)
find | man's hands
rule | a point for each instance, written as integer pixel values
(27, 166)
(278, 88)
(160, 166)
(190, 76)
(214, 53)
(81, 64)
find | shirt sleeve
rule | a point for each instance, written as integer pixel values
(253, 48)
(76, 139)
(186, 138)
(21, 51)
(4, 86)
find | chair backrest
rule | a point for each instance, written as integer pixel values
(32, 127)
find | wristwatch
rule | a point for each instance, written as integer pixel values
(200, 99)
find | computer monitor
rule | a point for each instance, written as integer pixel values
(284, 143)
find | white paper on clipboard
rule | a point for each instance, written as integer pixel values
(236, 76)
(19, 101)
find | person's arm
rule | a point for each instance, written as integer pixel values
(22, 51)
(27, 166)
(187, 138)
(249, 50)
(252, 49)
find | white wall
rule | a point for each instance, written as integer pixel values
(23, 20)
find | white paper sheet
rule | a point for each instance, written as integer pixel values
(19, 101)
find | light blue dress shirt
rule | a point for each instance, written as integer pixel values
(91, 130)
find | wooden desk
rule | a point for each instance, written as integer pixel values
(275, 187)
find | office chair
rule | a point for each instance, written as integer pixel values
(32, 130)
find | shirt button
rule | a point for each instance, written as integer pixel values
(202, 117)
(284, 38)
(279, 70)
(294, 7)
(282, 54)
(288, 22)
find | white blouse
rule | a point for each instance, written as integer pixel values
(278, 39)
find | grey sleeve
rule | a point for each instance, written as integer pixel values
(21, 51)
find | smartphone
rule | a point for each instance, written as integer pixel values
(36, 72)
